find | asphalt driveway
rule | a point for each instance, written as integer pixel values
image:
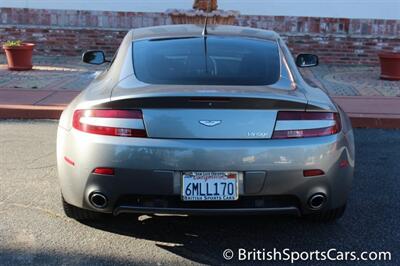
(33, 229)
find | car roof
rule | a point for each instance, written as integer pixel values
(190, 30)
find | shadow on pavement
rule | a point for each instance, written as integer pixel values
(203, 238)
(371, 221)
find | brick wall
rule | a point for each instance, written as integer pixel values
(350, 41)
(66, 32)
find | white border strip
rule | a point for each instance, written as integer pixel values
(303, 124)
(113, 122)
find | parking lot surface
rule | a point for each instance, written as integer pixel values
(34, 230)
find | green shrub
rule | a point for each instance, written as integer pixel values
(13, 43)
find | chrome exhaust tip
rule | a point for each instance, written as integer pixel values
(317, 201)
(98, 200)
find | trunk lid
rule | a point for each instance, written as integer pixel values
(209, 124)
(208, 112)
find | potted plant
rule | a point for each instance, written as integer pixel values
(201, 10)
(390, 66)
(205, 5)
(19, 55)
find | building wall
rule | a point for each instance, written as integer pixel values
(69, 32)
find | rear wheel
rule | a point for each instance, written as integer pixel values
(327, 216)
(78, 213)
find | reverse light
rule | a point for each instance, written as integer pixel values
(122, 123)
(306, 124)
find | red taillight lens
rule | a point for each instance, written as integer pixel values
(344, 163)
(123, 123)
(306, 124)
(103, 171)
(305, 116)
(69, 161)
(313, 172)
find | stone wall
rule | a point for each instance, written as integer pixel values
(68, 32)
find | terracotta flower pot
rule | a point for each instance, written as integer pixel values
(19, 57)
(390, 66)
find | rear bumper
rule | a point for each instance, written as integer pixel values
(174, 205)
(152, 167)
(204, 211)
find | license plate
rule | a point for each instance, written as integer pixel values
(202, 186)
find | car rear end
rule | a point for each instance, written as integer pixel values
(113, 153)
(229, 144)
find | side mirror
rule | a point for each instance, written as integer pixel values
(307, 60)
(94, 57)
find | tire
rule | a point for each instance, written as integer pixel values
(328, 216)
(78, 213)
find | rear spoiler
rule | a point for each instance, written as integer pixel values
(206, 103)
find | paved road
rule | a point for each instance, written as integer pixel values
(33, 228)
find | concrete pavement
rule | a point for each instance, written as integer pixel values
(351, 80)
(49, 73)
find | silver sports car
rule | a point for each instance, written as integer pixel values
(187, 120)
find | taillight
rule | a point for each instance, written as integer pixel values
(313, 172)
(69, 161)
(103, 171)
(306, 124)
(123, 123)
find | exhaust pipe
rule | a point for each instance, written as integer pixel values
(317, 201)
(98, 200)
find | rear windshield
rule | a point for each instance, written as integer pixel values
(206, 61)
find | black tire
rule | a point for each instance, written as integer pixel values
(78, 213)
(327, 216)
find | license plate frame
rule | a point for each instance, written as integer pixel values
(210, 186)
